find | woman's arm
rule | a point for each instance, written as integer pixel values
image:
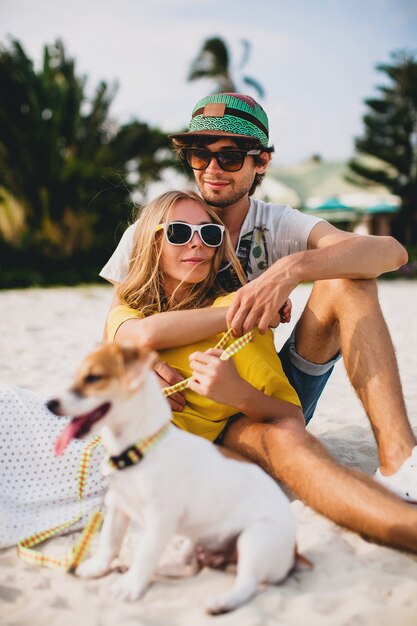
(221, 382)
(259, 406)
(174, 328)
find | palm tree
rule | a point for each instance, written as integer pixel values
(63, 160)
(213, 62)
(390, 135)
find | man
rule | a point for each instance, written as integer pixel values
(279, 247)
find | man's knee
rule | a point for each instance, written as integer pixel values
(346, 287)
(285, 433)
(332, 297)
(259, 440)
(341, 296)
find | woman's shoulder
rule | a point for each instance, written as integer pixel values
(122, 310)
(119, 314)
(225, 300)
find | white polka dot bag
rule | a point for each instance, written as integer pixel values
(39, 490)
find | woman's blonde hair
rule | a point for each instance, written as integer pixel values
(142, 288)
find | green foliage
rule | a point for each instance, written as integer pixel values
(390, 135)
(67, 165)
(213, 62)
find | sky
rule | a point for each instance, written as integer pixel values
(315, 58)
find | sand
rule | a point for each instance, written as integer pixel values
(44, 333)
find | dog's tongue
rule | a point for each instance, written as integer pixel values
(65, 437)
(79, 426)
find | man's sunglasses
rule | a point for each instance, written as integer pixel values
(228, 160)
(180, 233)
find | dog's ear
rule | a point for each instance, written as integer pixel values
(137, 361)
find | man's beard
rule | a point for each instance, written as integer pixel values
(222, 203)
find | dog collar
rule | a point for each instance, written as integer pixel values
(134, 454)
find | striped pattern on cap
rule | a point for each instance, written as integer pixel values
(229, 114)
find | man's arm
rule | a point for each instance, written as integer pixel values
(331, 253)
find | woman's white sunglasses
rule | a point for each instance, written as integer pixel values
(180, 233)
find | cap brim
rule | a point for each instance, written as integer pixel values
(211, 133)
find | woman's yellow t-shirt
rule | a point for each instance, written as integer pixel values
(257, 363)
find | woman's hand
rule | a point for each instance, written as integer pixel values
(221, 382)
(215, 379)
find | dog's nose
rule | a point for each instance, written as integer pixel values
(53, 405)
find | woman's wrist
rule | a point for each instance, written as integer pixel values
(259, 406)
(246, 394)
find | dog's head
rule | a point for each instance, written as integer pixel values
(113, 371)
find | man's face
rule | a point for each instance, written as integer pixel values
(222, 189)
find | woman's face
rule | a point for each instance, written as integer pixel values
(190, 263)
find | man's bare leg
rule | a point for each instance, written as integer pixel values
(292, 455)
(345, 314)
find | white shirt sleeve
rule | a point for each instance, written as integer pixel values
(117, 266)
(293, 231)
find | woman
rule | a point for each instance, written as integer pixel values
(171, 301)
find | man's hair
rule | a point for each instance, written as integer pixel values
(242, 143)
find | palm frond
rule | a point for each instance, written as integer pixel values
(254, 84)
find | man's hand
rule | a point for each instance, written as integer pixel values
(283, 316)
(168, 376)
(215, 379)
(286, 311)
(257, 303)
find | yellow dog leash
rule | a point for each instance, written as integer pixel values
(237, 345)
(72, 559)
(76, 554)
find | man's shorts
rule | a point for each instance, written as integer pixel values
(308, 379)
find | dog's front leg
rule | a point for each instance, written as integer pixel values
(151, 542)
(110, 542)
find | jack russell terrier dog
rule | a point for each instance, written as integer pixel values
(171, 482)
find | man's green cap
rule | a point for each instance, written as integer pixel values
(228, 115)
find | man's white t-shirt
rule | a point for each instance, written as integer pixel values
(269, 232)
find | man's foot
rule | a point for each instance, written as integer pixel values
(404, 482)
